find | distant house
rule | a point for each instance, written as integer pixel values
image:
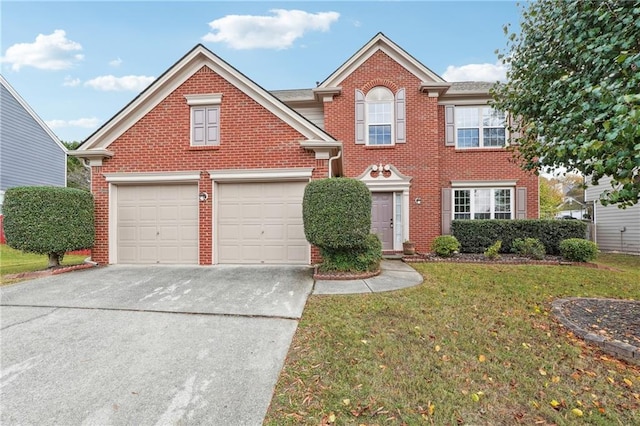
(616, 229)
(30, 154)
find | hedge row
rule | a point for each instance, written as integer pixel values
(475, 236)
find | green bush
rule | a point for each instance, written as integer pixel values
(476, 236)
(493, 252)
(528, 247)
(337, 213)
(48, 220)
(445, 245)
(353, 260)
(578, 250)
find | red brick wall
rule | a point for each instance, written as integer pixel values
(250, 137)
(424, 156)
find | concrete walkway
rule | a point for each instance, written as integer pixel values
(395, 275)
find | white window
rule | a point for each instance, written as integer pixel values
(483, 203)
(379, 102)
(205, 119)
(480, 127)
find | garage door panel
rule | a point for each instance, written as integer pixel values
(157, 223)
(260, 223)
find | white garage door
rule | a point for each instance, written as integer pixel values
(157, 224)
(261, 223)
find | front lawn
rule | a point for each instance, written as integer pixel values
(474, 344)
(15, 261)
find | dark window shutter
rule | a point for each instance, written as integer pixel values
(360, 122)
(521, 203)
(401, 125)
(513, 135)
(446, 211)
(198, 126)
(449, 126)
(213, 126)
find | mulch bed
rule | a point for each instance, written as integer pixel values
(320, 275)
(506, 259)
(610, 318)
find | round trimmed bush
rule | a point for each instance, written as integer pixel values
(337, 213)
(445, 245)
(48, 220)
(578, 250)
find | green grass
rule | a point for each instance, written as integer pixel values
(15, 261)
(474, 344)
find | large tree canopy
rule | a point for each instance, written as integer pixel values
(573, 86)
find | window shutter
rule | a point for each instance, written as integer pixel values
(198, 126)
(360, 124)
(513, 135)
(521, 203)
(213, 126)
(449, 126)
(446, 211)
(401, 126)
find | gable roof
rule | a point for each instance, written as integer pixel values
(381, 42)
(176, 75)
(32, 113)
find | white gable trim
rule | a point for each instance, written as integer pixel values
(33, 114)
(177, 75)
(384, 44)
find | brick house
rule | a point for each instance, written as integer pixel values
(205, 166)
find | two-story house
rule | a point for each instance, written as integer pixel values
(205, 166)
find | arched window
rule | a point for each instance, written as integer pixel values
(379, 106)
(380, 116)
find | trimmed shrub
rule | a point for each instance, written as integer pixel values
(48, 220)
(445, 245)
(578, 250)
(337, 213)
(493, 252)
(353, 260)
(528, 247)
(476, 236)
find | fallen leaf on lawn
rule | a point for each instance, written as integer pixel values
(554, 403)
(526, 345)
(610, 380)
(577, 412)
(437, 348)
(555, 379)
(364, 341)
(432, 409)
(382, 367)
(346, 401)
(482, 358)
(627, 382)
(332, 418)
(475, 397)
(542, 372)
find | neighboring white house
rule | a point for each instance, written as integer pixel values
(616, 229)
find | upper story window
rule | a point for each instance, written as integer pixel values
(205, 119)
(483, 203)
(480, 127)
(379, 103)
(380, 117)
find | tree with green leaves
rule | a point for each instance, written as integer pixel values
(550, 198)
(573, 86)
(78, 176)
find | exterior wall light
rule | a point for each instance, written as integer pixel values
(418, 200)
(203, 197)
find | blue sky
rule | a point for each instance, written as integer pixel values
(78, 63)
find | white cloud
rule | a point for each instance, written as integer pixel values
(115, 63)
(86, 123)
(48, 52)
(268, 32)
(71, 82)
(134, 83)
(476, 72)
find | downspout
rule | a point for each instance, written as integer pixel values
(334, 158)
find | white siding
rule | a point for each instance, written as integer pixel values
(616, 229)
(314, 114)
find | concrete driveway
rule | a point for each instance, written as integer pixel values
(152, 345)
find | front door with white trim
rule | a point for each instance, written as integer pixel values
(382, 218)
